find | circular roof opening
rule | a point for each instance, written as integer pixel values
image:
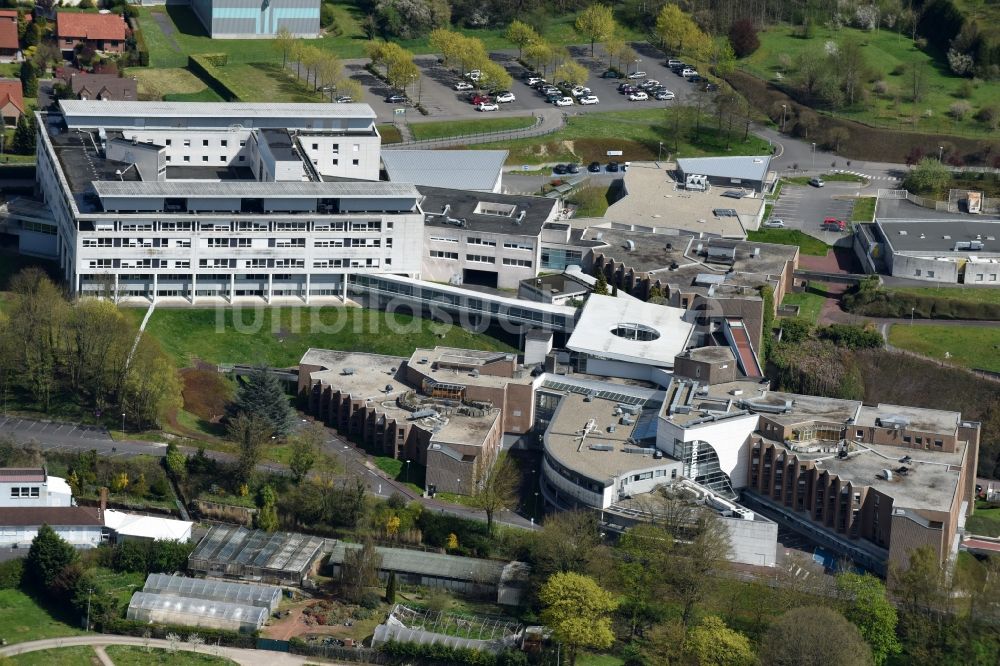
(637, 332)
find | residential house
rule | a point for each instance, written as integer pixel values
(11, 101)
(104, 87)
(9, 46)
(102, 32)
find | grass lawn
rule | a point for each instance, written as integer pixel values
(864, 209)
(79, 655)
(969, 346)
(807, 244)
(173, 32)
(591, 659)
(172, 83)
(809, 304)
(132, 655)
(415, 476)
(592, 201)
(637, 134)
(885, 52)
(271, 83)
(985, 521)
(279, 336)
(389, 133)
(23, 619)
(447, 128)
(972, 294)
(829, 177)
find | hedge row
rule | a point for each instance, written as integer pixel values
(882, 303)
(220, 636)
(442, 654)
(208, 67)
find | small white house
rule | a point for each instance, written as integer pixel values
(32, 487)
(126, 526)
(81, 526)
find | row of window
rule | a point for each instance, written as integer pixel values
(341, 226)
(24, 492)
(108, 264)
(475, 240)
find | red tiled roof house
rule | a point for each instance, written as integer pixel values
(11, 101)
(9, 47)
(102, 32)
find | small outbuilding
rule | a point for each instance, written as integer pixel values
(190, 612)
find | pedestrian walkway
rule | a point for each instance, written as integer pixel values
(241, 656)
(866, 176)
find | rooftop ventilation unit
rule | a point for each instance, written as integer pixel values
(639, 450)
(631, 409)
(347, 371)
(629, 245)
(422, 361)
(601, 447)
(886, 474)
(422, 414)
(388, 388)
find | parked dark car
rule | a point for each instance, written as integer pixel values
(613, 167)
(595, 167)
(611, 74)
(552, 99)
(623, 85)
(710, 87)
(697, 78)
(572, 168)
(559, 169)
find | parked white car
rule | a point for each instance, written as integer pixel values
(474, 75)
(688, 72)
(462, 85)
(775, 224)
(505, 97)
(580, 91)
(589, 99)
(664, 94)
(637, 75)
(532, 80)
(564, 101)
(488, 106)
(638, 96)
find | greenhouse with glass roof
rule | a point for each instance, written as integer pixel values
(270, 557)
(263, 596)
(167, 609)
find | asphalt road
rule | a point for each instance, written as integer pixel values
(56, 436)
(804, 207)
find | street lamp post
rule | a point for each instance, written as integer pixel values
(940, 153)
(784, 109)
(814, 155)
(90, 592)
(123, 424)
(911, 316)
(536, 505)
(659, 153)
(407, 471)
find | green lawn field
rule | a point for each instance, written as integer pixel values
(807, 244)
(972, 294)
(79, 655)
(131, 655)
(864, 209)
(637, 134)
(448, 128)
(171, 33)
(985, 521)
(969, 346)
(887, 54)
(279, 336)
(809, 304)
(23, 619)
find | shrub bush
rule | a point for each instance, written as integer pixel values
(221, 636)
(11, 573)
(851, 336)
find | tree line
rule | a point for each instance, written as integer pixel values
(55, 350)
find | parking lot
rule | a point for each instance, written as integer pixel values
(55, 436)
(434, 90)
(804, 208)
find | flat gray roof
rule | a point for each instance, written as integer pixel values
(434, 565)
(744, 167)
(237, 110)
(939, 236)
(458, 169)
(930, 483)
(807, 408)
(274, 190)
(463, 205)
(917, 418)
